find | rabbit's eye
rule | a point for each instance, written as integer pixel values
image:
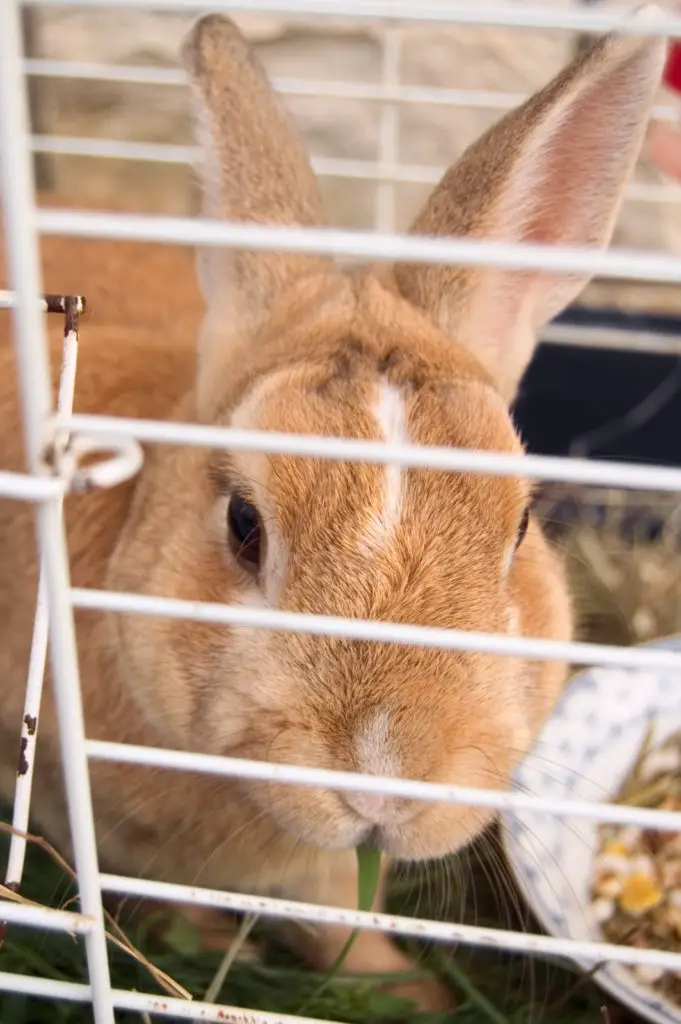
(522, 530)
(244, 527)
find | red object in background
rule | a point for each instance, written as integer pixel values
(672, 71)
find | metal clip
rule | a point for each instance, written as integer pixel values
(64, 452)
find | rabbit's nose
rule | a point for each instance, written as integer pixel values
(377, 753)
(381, 810)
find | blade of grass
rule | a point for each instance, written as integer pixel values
(585, 977)
(144, 1016)
(446, 966)
(284, 973)
(368, 874)
(31, 957)
(235, 946)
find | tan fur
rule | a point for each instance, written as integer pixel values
(290, 344)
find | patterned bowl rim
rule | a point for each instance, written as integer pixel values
(613, 978)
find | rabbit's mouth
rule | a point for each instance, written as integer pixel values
(431, 837)
(401, 830)
(384, 841)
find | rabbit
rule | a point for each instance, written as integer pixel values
(403, 353)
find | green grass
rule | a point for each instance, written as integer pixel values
(490, 986)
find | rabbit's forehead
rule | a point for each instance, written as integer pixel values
(398, 403)
(375, 502)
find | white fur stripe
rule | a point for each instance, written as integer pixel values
(389, 412)
(375, 751)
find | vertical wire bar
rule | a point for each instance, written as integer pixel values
(28, 740)
(66, 681)
(389, 130)
(38, 655)
(38, 92)
(20, 230)
(35, 392)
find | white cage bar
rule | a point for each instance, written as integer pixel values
(388, 170)
(384, 172)
(427, 791)
(364, 245)
(516, 15)
(38, 655)
(57, 600)
(34, 388)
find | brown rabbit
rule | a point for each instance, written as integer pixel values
(419, 354)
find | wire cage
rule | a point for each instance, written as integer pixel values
(69, 438)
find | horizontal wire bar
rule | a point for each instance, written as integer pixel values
(324, 167)
(48, 303)
(23, 487)
(392, 924)
(463, 13)
(44, 917)
(127, 74)
(180, 1009)
(487, 99)
(480, 99)
(402, 634)
(620, 339)
(8, 300)
(365, 245)
(413, 789)
(114, 149)
(649, 192)
(625, 475)
(44, 988)
(146, 1003)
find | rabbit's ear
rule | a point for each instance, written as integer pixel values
(552, 171)
(254, 168)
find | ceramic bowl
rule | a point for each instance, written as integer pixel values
(584, 753)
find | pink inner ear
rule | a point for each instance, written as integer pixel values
(577, 171)
(497, 326)
(560, 192)
(553, 171)
(565, 189)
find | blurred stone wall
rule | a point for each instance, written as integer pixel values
(436, 55)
